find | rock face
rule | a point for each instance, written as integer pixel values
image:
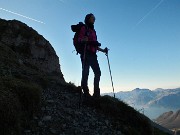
(28, 63)
(31, 47)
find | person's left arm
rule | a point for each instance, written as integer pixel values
(105, 50)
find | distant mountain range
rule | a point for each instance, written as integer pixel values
(151, 102)
(170, 120)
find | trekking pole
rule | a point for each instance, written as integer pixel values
(84, 57)
(84, 60)
(110, 71)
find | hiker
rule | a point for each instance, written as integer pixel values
(88, 38)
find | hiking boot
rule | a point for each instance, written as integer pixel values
(96, 94)
(86, 95)
(87, 98)
(86, 90)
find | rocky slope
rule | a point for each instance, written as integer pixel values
(36, 100)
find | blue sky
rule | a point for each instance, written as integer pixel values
(143, 37)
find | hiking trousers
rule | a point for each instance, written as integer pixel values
(90, 61)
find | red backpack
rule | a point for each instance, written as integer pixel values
(76, 28)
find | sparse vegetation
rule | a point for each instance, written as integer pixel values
(20, 101)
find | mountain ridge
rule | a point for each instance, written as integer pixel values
(158, 99)
(170, 120)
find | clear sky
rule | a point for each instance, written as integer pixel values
(143, 37)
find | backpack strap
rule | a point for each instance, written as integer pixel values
(87, 30)
(86, 34)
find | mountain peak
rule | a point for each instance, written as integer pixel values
(140, 90)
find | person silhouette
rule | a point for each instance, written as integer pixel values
(88, 37)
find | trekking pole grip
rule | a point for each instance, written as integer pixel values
(106, 51)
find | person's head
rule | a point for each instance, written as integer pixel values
(89, 19)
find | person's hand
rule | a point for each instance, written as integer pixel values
(106, 50)
(98, 44)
